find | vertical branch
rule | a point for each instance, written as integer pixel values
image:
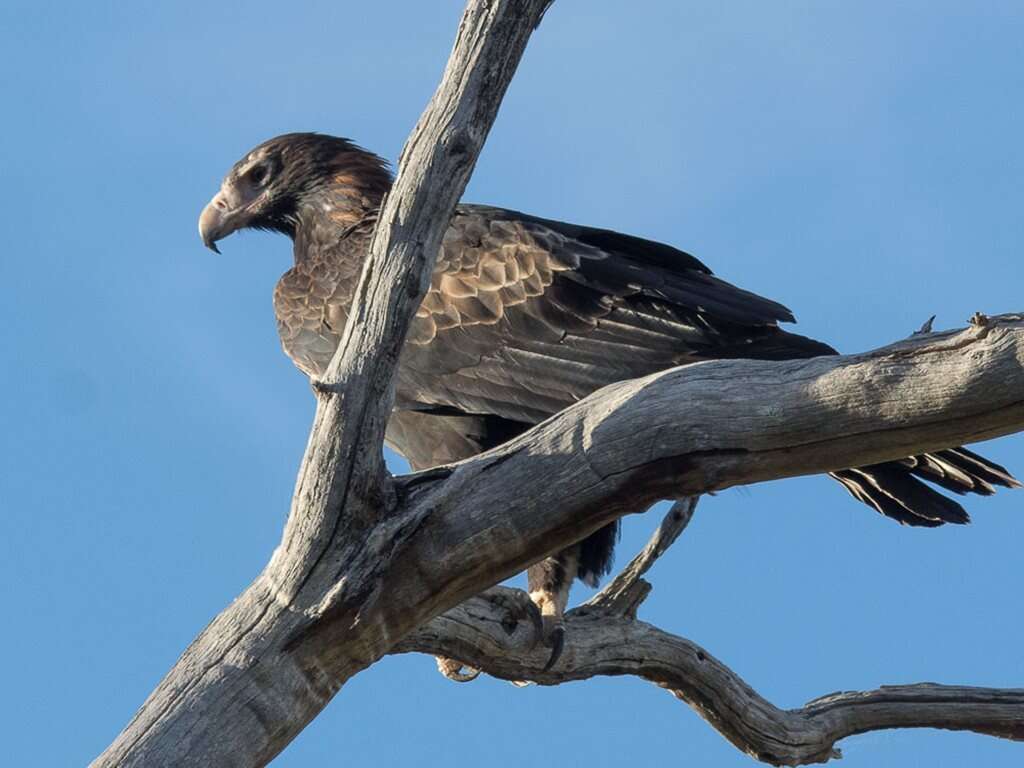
(244, 688)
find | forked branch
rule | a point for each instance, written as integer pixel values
(365, 559)
(599, 644)
(485, 634)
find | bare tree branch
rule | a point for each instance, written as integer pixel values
(623, 594)
(365, 559)
(486, 634)
(478, 633)
(632, 443)
(237, 696)
(974, 378)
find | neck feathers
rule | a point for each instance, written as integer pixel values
(353, 187)
(349, 194)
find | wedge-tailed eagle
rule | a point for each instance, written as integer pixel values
(524, 317)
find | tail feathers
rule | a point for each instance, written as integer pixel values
(961, 471)
(597, 552)
(895, 490)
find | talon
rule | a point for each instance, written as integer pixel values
(557, 642)
(549, 582)
(554, 638)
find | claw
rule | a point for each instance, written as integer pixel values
(554, 638)
(549, 582)
(557, 642)
(524, 608)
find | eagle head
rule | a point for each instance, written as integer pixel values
(290, 178)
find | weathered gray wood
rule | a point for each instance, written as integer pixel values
(624, 594)
(478, 634)
(487, 633)
(364, 559)
(621, 596)
(452, 532)
(702, 428)
(241, 692)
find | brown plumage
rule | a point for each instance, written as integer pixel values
(525, 316)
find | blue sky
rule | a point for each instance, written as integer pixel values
(860, 162)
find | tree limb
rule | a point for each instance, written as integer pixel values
(238, 695)
(599, 643)
(744, 421)
(486, 634)
(366, 559)
(623, 594)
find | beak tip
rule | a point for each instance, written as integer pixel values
(215, 223)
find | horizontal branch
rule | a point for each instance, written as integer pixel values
(743, 421)
(272, 660)
(484, 633)
(695, 429)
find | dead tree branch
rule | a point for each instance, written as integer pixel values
(478, 634)
(238, 695)
(623, 594)
(605, 639)
(365, 559)
(632, 443)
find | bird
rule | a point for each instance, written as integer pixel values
(523, 317)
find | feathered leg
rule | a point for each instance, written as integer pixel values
(549, 583)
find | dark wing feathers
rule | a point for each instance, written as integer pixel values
(649, 252)
(526, 315)
(686, 292)
(431, 439)
(521, 304)
(623, 265)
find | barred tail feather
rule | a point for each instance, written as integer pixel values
(895, 488)
(961, 471)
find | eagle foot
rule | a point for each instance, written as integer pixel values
(518, 607)
(548, 627)
(548, 632)
(549, 581)
(456, 671)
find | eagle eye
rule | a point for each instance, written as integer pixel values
(258, 174)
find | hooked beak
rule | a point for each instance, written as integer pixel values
(221, 216)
